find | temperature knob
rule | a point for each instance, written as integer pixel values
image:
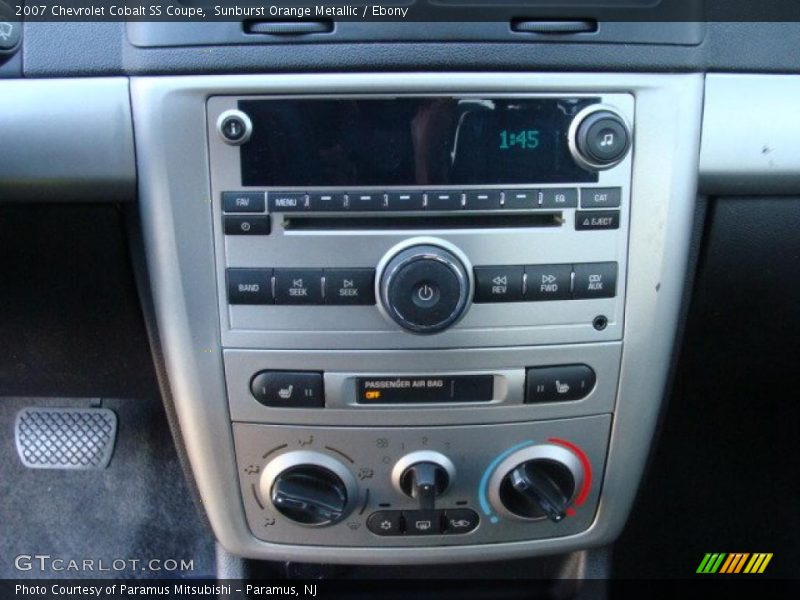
(537, 482)
(309, 488)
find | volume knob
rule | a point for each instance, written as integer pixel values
(424, 288)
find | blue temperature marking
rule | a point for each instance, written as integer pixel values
(484, 501)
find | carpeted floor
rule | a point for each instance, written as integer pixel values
(137, 508)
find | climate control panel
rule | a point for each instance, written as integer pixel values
(351, 486)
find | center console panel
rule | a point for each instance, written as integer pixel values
(417, 318)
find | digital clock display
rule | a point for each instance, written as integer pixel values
(525, 139)
(411, 141)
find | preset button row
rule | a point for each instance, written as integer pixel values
(433, 200)
(518, 283)
(301, 286)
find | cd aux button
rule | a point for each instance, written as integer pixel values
(595, 280)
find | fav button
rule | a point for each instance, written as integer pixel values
(298, 286)
(498, 284)
(350, 286)
(243, 202)
(288, 389)
(595, 280)
(548, 282)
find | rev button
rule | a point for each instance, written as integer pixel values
(498, 284)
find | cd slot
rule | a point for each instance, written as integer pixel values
(445, 221)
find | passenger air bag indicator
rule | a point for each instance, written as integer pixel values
(425, 389)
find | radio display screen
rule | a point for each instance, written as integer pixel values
(410, 141)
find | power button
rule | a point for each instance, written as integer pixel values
(424, 288)
(426, 294)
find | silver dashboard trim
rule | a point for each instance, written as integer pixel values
(751, 135)
(66, 140)
(169, 113)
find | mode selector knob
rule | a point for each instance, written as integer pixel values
(424, 287)
(599, 138)
(309, 488)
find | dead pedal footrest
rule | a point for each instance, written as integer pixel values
(65, 438)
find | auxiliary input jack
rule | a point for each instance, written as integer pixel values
(600, 322)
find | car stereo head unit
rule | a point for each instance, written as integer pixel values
(420, 221)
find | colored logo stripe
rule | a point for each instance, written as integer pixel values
(721, 562)
(710, 563)
(758, 563)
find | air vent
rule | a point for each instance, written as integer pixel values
(286, 27)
